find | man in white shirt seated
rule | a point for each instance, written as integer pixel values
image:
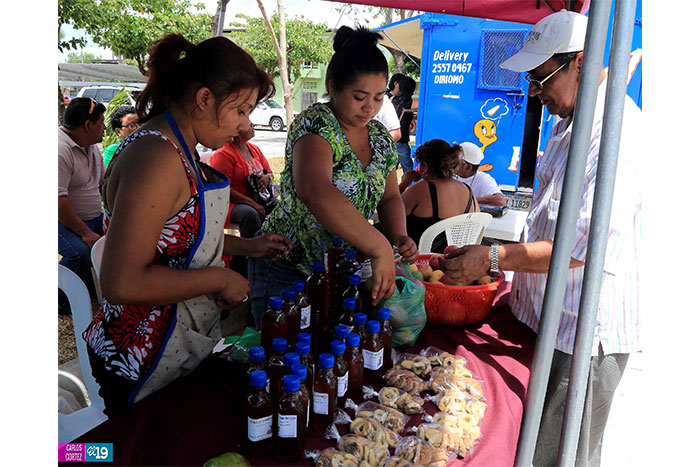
(483, 185)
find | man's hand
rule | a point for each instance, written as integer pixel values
(407, 249)
(89, 237)
(466, 264)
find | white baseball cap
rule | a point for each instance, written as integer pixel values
(560, 32)
(471, 153)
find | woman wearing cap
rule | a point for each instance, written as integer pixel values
(483, 185)
(162, 276)
(340, 166)
(438, 196)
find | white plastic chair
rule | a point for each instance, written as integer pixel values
(96, 258)
(464, 229)
(72, 425)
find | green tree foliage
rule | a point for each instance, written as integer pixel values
(129, 27)
(121, 98)
(306, 42)
(87, 57)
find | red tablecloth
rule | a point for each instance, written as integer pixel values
(200, 416)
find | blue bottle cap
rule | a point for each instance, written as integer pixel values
(302, 348)
(325, 361)
(299, 286)
(257, 353)
(291, 359)
(349, 303)
(290, 383)
(373, 326)
(341, 331)
(350, 254)
(353, 339)
(384, 314)
(317, 267)
(275, 302)
(304, 337)
(337, 242)
(359, 319)
(355, 280)
(299, 371)
(279, 344)
(337, 347)
(289, 294)
(258, 379)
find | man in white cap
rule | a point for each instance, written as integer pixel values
(552, 56)
(483, 185)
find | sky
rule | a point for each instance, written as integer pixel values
(319, 11)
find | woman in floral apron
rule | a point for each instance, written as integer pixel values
(340, 166)
(162, 276)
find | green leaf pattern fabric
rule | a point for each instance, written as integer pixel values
(364, 188)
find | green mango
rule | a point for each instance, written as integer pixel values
(229, 459)
(417, 275)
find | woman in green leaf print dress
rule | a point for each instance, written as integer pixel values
(340, 166)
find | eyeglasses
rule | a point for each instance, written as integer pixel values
(540, 83)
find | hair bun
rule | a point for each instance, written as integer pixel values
(346, 36)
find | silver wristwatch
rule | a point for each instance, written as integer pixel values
(494, 261)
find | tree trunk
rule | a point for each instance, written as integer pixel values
(61, 106)
(399, 64)
(281, 51)
(217, 21)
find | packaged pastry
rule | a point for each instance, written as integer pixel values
(396, 461)
(371, 429)
(446, 381)
(417, 364)
(438, 357)
(387, 416)
(332, 457)
(451, 400)
(396, 398)
(457, 422)
(364, 450)
(417, 451)
(439, 436)
(454, 369)
(405, 380)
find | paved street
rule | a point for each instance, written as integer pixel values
(271, 143)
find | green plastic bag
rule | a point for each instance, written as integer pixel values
(242, 344)
(407, 306)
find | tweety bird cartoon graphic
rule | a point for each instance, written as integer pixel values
(485, 132)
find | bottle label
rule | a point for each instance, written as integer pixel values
(321, 403)
(305, 317)
(259, 428)
(373, 360)
(287, 426)
(342, 384)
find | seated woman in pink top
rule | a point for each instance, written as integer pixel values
(238, 160)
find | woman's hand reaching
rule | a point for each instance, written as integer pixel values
(383, 275)
(269, 244)
(235, 290)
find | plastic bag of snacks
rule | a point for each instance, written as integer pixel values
(417, 364)
(387, 416)
(439, 357)
(406, 380)
(332, 457)
(451, 400)
(396, 398)
(371, 429)
(439, 436)
(407, 306)
(457, 422)
(413, 449)
(447, 381)
(395, 461)
(364, 450)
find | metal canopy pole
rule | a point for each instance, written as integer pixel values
(600, 223)
(566, 226)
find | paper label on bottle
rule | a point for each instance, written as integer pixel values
(373, 360)
(321, 403)
(259, 428)
(305, 317)
(287, 426)
(342, 384)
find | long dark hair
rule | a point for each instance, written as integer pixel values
(439, 157)
(177, 68)
(407, 87)
(356, 53)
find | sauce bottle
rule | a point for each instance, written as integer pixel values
(341, 332)
(373, 355)
(304, 337)
(386, 335)
(300, 372)
(340, 369)
(353, 291)
(304, 306)
(256, 356)
(290, 359)
(347, 318)
(304, 350)
(290, 421)
(360, 322)
(258, 409)
(317, 292)
(292, 315)
(275, 366)
(346, 267)
(356, 366)
(334, 254)
(325, 392)
(274, 324)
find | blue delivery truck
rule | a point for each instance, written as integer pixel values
(464, 95)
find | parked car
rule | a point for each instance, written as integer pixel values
(269, 113)
(104, 94)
